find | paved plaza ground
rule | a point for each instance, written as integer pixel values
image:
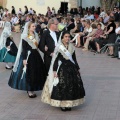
(101, 77)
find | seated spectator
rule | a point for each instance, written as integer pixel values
(87, 30)
(31, 11)
(101, 42)
(97, 35)
(102, 14)
(89, 37)
(96, 15)
(2, 22)
(90, 16)
(20, 12)
(17, 24)
(116, 14)
(78, 28)
(106, 18)
(14, 19)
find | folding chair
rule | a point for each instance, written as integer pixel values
(105, 49)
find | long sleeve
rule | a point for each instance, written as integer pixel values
(55, 66)
(74, 58)
(8, 42)
(92, 33)
(64, 61)
(98, 33)
(24, 52)
(43, 43)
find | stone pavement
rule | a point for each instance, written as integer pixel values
(101, 77)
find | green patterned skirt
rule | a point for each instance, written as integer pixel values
(6, 57)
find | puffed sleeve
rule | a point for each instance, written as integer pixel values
(74, 58)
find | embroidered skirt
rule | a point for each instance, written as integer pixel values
(69, 92)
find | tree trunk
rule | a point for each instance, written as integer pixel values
(108, 4)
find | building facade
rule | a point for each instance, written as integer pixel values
(40, 6)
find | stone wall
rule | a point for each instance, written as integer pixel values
(3, 3)
(73, 3)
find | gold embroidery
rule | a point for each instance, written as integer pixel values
(33, 40)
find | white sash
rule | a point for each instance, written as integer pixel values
(67, 53)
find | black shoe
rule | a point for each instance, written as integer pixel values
(63, 109)
(31, 96)
(8, 68)
(110, 55)
(68, 108)
(113, 57)
(98, 52)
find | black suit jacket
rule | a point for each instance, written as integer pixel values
(46, 39)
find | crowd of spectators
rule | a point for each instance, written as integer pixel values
(95, 28)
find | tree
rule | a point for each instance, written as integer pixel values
(108, 4)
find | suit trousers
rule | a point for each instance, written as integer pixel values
(47, 61)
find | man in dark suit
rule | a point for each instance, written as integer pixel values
(49, 39)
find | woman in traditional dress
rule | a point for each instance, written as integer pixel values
(64, 86)
(8, 49)
(29, 71)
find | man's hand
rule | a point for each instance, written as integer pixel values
(46, 48)
(55, 74)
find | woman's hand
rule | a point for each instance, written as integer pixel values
(55, 74)
(8, 47)
(24, 62)
(51, 54)
(46, 48)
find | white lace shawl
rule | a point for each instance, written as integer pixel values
(5, 34)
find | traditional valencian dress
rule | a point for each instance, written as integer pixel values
(67, 90)
(7, 55)
(33, 76)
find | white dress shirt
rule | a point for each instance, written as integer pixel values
(53, 35)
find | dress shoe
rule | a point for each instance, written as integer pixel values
(9, 68)
(113, 57)
(110, 55)
(31, 95)
(68, 108)
(63, 109)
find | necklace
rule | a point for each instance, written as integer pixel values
(66, 45)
